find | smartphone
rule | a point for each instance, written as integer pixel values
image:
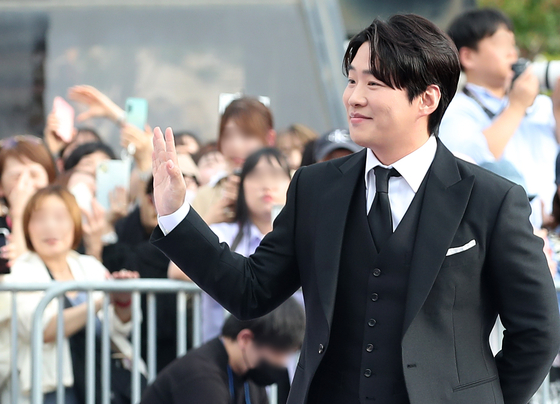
(83, 196)
(4, 268)
(109, 175)
(136, 110)
(65, 115)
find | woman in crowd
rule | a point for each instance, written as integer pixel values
(52, 223)
(264, 181)
(292, 143)
(245, 127)
(25, 166)
(210, 162)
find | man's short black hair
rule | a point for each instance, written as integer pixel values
(282, 329)
(85, 150)
(409, 52)
(471, 27)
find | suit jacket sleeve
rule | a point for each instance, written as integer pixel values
(246, 287)
(525, 298)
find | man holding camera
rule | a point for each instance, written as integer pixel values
(494, 119)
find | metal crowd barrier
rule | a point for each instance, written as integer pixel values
(56, 290)
(150, 287)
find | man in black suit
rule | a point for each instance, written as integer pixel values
(406, 254)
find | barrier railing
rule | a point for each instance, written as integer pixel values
(136, 287)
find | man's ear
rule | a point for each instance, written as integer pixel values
(244, 337)
(429, 100)
(271, 138)
(467, 57)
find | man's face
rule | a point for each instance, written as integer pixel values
(493, 58)
(379, 117)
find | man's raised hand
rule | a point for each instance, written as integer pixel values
(169, 185)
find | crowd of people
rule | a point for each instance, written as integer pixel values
(59, 231)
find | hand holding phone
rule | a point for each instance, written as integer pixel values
(65, 116)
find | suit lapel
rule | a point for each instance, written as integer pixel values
(445, 200)
(332, 213)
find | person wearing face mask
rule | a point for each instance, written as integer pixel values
(264, 181)
(235, 367)
(246, 126)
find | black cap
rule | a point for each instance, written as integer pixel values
(334, 140)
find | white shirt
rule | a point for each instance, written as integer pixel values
(531, 150)
(413, 169)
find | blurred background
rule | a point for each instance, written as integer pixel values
(181, 54)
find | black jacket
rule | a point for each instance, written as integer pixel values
(200, 377)
(452, 301)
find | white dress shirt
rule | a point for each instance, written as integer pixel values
(413, 169)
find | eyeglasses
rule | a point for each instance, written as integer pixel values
(13, 141)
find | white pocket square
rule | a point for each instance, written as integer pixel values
(456, 250)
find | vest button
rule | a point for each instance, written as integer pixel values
(369, 348)
(371, 322)
(376, 272)
(321, 348)
(367, 373)
(374, 297)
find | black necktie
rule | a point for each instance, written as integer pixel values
(379, 217)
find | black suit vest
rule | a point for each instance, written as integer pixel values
(363, 361)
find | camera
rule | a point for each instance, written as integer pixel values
(547, 72)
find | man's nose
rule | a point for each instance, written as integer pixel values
(357, 97)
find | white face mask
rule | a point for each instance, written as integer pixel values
(190, 195)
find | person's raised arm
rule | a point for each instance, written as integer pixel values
(522, 95)
(99, 105)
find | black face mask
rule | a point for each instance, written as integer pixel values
(266, 374)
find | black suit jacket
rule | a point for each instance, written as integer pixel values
(452, 300)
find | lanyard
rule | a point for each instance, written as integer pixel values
(469, 94)
(232, 388)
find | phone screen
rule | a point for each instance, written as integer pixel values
(110, 175)
(4, 268)
(137, 112)
(65, 114)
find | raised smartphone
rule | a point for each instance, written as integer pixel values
(83, 196)
(109, 175)
(65, 115)
(136, 110)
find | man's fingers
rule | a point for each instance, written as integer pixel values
(170, 146)
(159, 154)
(175, 174)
